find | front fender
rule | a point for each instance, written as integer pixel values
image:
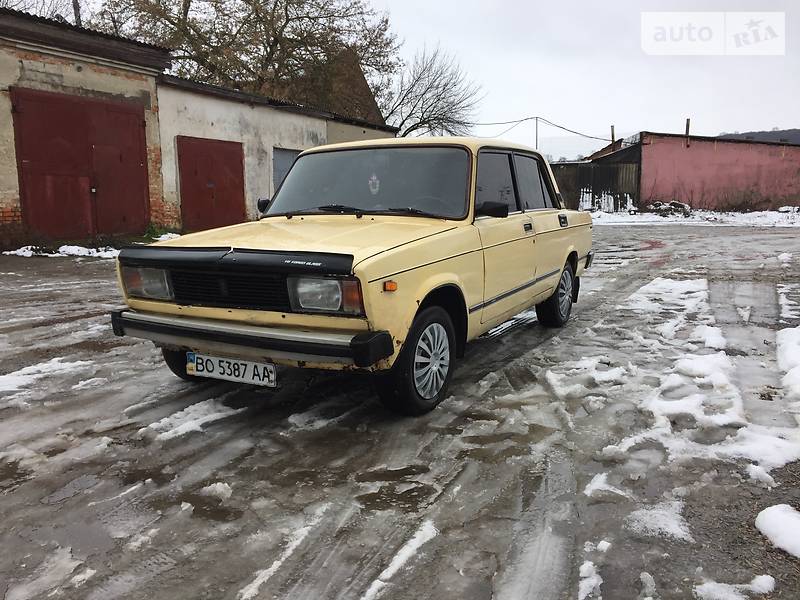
(395, 311)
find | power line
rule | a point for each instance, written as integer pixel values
(543, 120)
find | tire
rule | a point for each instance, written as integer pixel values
(555, 311)
(410, 387)
(176, 361)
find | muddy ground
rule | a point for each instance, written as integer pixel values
(119, 480)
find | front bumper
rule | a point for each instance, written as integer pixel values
(274, 343)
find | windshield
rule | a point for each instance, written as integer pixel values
(418, 180)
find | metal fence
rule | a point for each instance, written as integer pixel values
(610, 187)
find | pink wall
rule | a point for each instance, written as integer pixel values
(717, 174)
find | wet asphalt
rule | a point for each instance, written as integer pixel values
(106, 458)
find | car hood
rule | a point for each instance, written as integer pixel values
(338, 234)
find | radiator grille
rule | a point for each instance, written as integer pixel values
(258, 291)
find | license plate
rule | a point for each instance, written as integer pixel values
(229, 369)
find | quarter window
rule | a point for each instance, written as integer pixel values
(494, 180)
(529, 182)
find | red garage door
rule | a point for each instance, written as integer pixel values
(212, 183)
(81, 163)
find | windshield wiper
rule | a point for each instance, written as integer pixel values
(413, 211)
(343, 208)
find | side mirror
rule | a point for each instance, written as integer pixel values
(263, 204)
(492, 209)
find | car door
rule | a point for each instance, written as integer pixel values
(507, 242)
(549, 219)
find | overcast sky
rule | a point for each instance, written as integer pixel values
(580, 64)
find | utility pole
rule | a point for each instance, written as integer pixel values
(76, 11)
(536, 119)
(613, 139)
(687, 131)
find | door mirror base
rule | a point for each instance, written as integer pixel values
(492, 209)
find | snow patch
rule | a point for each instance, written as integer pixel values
(590, 582)
(780, 524)
(759, 473)
(219, 490)
(82, 577)
(294, 540)
(102, 252)
(710, 336)
(424, 534)
(788, 341)
(599, 487)
(790, 308)
(167, 236)
(52, 572)
(711, 590)
(191, 418)
(141, 539)
(30, 374)
(762, 218)
(662, 519)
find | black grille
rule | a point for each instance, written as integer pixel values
(259, 291)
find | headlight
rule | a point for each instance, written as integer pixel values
(147, 283)
(318, 294)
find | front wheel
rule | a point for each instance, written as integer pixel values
(418, 380)
(555, 311)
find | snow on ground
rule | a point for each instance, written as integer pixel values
(166, 236)
(781, 526)
(589, 585)
(766, 218)
(711, 590)
(789, 360)
(294, 540)
(220, 490)
(81, 251)
(54, 570)
(662, 519)
(789, 300)
(700, 385)
(192, 418)
(16, 382)
(424, 534)
(599, 487)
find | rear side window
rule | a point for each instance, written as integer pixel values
(494, 180)
(549, 197)
(529, 182)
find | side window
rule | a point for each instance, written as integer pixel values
(494, 180)
(529, 182)
(549, 196)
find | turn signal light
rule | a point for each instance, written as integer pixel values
(390, 286)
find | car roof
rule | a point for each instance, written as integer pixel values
(472, 143)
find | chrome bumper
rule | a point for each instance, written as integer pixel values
(361, 349)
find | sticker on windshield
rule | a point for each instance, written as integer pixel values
(374, 184)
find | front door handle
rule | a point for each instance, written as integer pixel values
(562, 220)
(528, 227)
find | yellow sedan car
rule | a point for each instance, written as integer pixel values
(385, 256)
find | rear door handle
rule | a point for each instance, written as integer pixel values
(528, 227)
(562, 220)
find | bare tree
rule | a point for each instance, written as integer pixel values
(52, 9)
(257, 45)
(432, 96)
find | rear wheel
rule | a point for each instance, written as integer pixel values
(418, 380)
(555, 311)
(176, 361)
